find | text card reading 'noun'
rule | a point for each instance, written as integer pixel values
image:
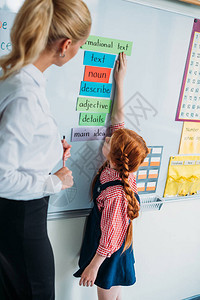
(88, 134)
(98, 59)
(93, 105)
(95, 89)
(97, 74)
(92, 119)
(101, 44)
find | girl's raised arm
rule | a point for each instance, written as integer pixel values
(117, 115)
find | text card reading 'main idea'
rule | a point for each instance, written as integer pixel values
(102, 44)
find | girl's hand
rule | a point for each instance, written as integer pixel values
(88, 276)
(66, 150)
(120, 68)
(65, 175)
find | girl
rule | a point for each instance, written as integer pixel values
(107, 256)
(45, 32)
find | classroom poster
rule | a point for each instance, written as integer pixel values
(183, 176)
(148, 173)
(189, 101)
(190, 138)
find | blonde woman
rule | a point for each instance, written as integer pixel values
(45, 32)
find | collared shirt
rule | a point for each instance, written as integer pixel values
(113, 204)
(30, 144)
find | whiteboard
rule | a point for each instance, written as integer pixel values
(154, 77)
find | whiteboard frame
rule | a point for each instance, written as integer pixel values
(178, 7)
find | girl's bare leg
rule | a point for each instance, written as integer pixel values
(114, 293)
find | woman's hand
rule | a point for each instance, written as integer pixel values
(65, 175)
(88, 276)
(66, 150)
(120, 68)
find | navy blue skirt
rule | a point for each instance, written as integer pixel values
(117, 270)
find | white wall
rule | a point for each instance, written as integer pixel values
(167, 253)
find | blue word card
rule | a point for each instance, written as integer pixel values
(99, 59)
(95, 89)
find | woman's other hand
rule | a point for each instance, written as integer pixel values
(66, 150)
(65, 175)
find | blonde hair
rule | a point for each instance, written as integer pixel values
(38, 24)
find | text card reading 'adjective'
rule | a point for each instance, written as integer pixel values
(93, 105)
(92, 119)
(97, 74)
(95, 89)
(88, 134)
(98, 59)
(101, 44)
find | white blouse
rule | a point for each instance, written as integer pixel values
(30, 144)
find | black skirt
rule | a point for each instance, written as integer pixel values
(26, 256)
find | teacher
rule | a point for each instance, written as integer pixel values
(45, 32)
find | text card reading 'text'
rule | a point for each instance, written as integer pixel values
(98, 59)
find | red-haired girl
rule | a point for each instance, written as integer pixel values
(107, 256)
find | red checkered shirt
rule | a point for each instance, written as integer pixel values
(112, 203)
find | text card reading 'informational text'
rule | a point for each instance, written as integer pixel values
(101, 44)
(92, 119)
(95, 89)
(98, 59)
(88, 134)
(97, 74)
(93, 105)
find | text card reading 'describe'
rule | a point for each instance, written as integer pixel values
(98, 59)
(101, 44)
(95, 89)
(92, 119)
(88, 134)
(93, 105)
(97, 74)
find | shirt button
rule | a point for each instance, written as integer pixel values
(98, 189)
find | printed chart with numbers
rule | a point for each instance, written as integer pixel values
(189, 102)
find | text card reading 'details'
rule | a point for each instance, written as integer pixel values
(93, 105)
(92, 119)
(101, 44)
(88, 134)
(98, 59)
(95, 89)
(97, 74)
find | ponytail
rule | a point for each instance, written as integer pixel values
(38, 24)
(29, 35)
